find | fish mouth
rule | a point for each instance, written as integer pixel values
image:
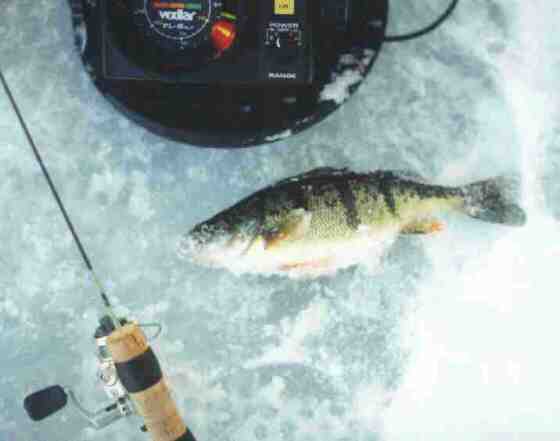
(188, 247)
(218, 243)
(218, 252)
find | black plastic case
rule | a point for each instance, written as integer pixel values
(256, 94)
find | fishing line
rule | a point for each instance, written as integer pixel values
(128, 368)
(54, 192)
(420, 33)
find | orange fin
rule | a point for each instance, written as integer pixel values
(309, 265)
(423, 226)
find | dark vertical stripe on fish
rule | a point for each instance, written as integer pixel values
(387, 183)
(300, 196)
(348, 198)
(261, 209)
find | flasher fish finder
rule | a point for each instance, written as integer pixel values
(228, 73)
(200, 43)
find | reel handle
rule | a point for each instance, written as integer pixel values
(140, 373)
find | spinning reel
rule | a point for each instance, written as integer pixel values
(131, 377)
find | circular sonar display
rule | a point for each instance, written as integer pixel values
(180, 21)
(175, 24)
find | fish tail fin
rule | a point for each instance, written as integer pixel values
(492, 200)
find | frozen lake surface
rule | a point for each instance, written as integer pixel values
(454, 339)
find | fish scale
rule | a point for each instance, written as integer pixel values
(329, 217)
(372, 206)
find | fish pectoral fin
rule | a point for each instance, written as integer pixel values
(294, 227)
(257, 245)
(423, 226)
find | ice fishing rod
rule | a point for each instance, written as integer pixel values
(54, 192)
(127, 367)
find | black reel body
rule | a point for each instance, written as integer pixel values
(228, 73)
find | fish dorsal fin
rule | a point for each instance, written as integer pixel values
(294, 227)
(320, 172)
(409, 175)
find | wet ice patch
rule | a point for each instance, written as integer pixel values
(9, 308)
(273, 393)
(291, 337)
(108, 184)
(140, 203)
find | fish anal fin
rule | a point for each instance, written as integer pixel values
(318, 264)
(294, 227)
(423, 226)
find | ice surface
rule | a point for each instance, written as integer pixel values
(454, 339)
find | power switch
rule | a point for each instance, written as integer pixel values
(284, 7)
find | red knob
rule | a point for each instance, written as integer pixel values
(223, 35)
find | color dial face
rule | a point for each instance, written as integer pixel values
(180, 24)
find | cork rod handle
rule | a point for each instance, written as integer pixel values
(140, 374)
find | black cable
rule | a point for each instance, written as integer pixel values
(427, 29)
(53, 188)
